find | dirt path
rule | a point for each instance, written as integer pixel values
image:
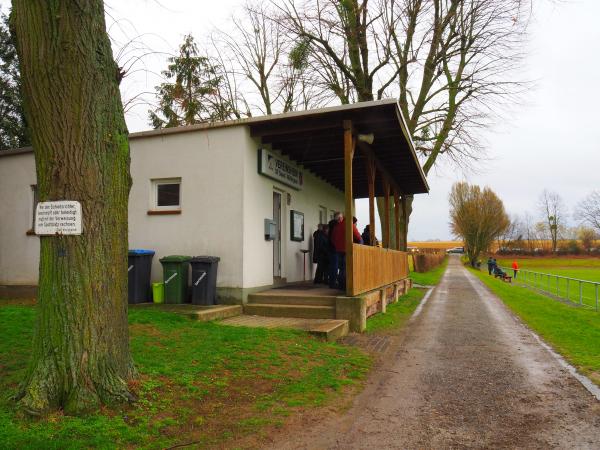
(465, 374)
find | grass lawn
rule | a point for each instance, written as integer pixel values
(573, 332)
(562, 262)
(578, 268)
(199, 382)
(429, 278)
(396, 313)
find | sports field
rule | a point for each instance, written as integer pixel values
(587, 269)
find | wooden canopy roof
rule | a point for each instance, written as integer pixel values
(315, 140)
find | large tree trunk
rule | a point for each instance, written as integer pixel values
(80, 355)
(404, 221)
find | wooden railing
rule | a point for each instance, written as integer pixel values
(374, 267)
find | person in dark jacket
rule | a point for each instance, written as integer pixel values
(332, 255)
(366, 236)
(315, 237)
(490, 264)
(321, 254)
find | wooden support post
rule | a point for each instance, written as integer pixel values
(397, 218)
(371, 180)
(405, 219)
(386, 214)
(349, 144)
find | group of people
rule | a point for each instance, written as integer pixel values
(494, 268)
(329, 250)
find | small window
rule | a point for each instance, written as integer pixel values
(166, 194)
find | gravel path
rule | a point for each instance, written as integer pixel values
(465, 373)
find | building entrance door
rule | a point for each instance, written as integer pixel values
(323, 215)
(277, 240)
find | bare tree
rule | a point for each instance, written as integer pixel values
(451, 63)
(261, 56)
(588, 210)
(553, 215)
(477, 216)
(587, 236)
(513, 234)
(529, 232)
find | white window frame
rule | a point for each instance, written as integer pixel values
(154, 183)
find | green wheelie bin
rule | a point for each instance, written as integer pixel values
(175, 273)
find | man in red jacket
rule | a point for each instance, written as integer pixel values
(337, 266)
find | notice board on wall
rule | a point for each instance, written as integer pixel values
(297, 226)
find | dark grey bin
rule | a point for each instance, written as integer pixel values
(138, 272)
(204, 279)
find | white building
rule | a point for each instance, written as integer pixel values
(207, 190)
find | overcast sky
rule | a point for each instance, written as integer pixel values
(547, 142)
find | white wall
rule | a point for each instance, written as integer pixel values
(224, 202)
(258, 205)
(209, 164)
(19, 253)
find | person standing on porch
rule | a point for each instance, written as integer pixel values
(337, 237)
(334, 262)
(320, 254)
(357, 239)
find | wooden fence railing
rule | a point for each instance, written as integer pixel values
(424, 262)
(374, 267)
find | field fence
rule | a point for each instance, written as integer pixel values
(580, 292)
(424, 262)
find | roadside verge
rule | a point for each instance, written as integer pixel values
(573, 332)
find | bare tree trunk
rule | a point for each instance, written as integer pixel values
(80, 355)
(404, 220)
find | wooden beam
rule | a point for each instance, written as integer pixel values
(404, 211)
(349, 145)
(369, 153)
(371, 181)
(326, 134)
(386, 213)
(397, 218)
(278, 128)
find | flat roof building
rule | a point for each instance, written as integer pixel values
(219, 188)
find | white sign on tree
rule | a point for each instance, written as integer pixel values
(61, 217)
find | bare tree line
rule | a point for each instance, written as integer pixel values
(550, 227)
(451, 64)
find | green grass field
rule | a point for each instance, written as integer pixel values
(430, 278)
(199, 382)
(396, 314)
(573, 332)
(578, 268)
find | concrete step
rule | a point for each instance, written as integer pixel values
(197, 312)
(331, 330)
(285, 310)
(276, 299)
(216, 312)
(326, 329)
